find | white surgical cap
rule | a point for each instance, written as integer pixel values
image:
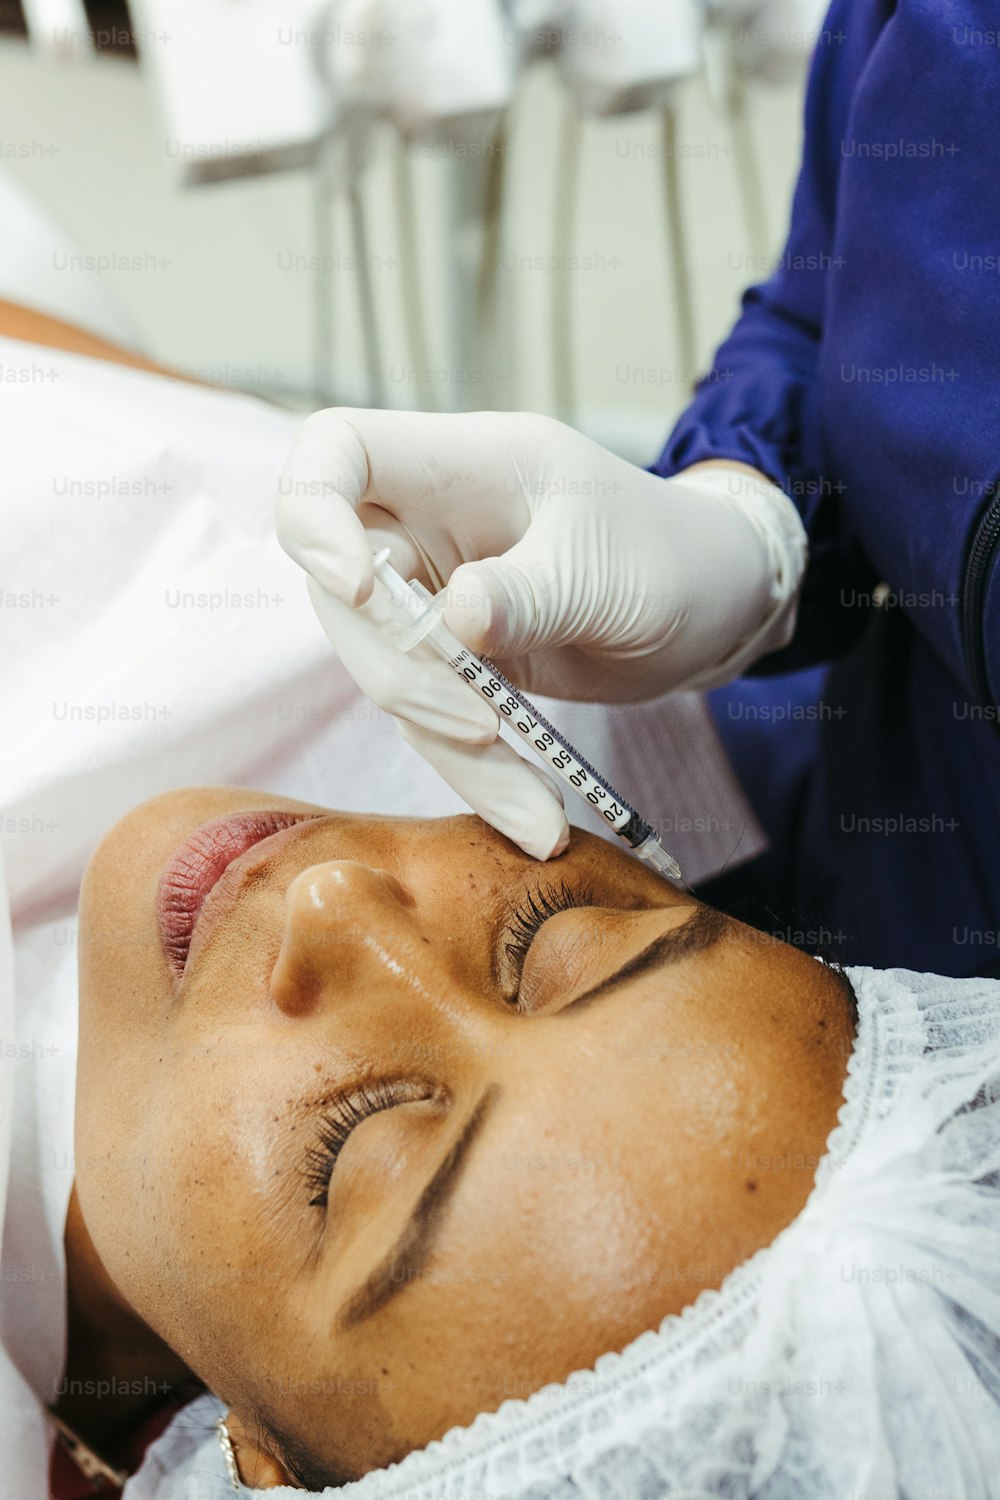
(857, 1355)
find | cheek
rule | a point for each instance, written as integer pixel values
(543, 1268)
(156, 1190)
(574, 1228)
(124, 1166)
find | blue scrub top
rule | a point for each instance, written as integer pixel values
(864, 378)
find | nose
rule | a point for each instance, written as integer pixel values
(346, 924)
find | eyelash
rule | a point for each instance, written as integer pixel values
(336, 1126)
(540, 905)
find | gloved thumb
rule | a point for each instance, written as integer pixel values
(510, 605)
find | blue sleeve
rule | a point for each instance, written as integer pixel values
(757, 404)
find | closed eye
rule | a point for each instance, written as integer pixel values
(345, 1112)
(527, 919)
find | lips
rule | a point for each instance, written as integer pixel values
(198, 865)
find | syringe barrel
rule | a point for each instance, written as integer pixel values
(635, 830)
(423, 620)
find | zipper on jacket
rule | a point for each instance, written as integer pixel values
(978, 567)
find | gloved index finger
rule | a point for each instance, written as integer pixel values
(450, 482)
(324, 479)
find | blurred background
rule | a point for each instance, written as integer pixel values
(444, 204)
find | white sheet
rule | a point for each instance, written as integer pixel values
(153, 635)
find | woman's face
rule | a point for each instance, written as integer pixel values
(378, 1149)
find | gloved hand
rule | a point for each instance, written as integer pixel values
(579, 574)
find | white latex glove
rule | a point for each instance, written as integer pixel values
(579, 574)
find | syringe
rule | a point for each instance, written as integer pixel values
(424, 613)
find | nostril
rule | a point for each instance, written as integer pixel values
(396, 888)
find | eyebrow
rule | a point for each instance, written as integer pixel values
(698, 932)
(414, 1247)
